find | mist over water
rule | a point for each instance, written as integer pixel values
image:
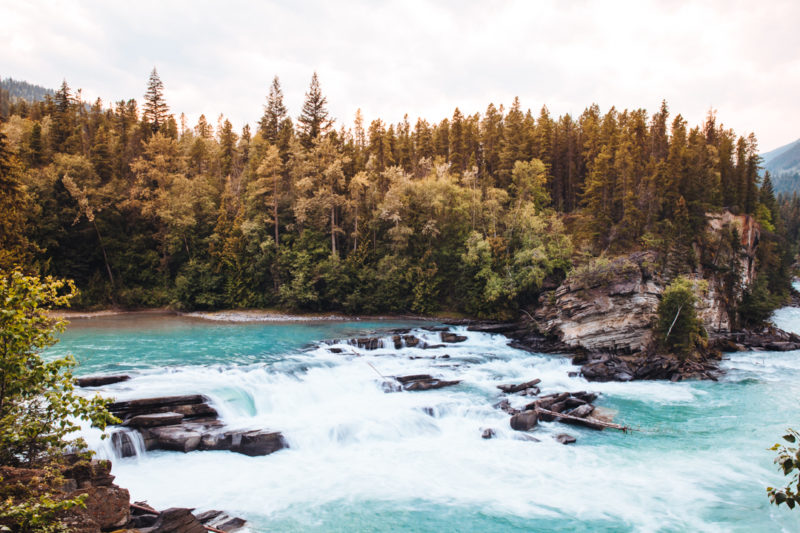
(364, 460)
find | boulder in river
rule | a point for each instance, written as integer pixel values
(449, 337)
(565, 438)
(367, 343)
(524, 421)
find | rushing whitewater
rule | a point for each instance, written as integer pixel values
(361, 459)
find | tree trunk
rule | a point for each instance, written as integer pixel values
(333, 230)
(105, 259)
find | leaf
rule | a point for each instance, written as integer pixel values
(789, 437)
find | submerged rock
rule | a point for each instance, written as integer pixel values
(565, 438)
(488, 433)
(122, 442)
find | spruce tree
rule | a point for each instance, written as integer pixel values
(155, 108)
(274, 113)
(313, 119)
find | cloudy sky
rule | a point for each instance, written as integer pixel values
(423, 57)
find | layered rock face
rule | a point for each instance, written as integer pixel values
(612, 308)
(610, 311)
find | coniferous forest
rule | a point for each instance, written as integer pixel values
(473, 214)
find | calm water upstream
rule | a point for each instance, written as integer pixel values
(364, 460)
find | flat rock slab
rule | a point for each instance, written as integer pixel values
(99, 381)
(155, 419)
(189, 437)
(190, 406)
(421, 382)
(253, 443)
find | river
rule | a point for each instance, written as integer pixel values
(364, 460)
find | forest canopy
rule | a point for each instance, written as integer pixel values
(474, 213)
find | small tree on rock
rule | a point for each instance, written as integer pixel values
(679, 329)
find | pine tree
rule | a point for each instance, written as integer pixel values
(274, 113)
(63, 121)
(314, 120)
(155, 108)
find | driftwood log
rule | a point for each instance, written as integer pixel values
(592, 423)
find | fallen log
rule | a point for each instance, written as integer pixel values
(592, 423)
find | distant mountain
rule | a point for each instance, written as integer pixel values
(783, 159)
(783, 165)
(24, 90)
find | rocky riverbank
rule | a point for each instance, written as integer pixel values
(106, 506)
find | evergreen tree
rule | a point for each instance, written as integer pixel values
(155, 108)
(314, 120)
(274, 113)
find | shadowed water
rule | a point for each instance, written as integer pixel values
(364, 460)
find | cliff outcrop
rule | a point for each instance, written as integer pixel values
(610, 305)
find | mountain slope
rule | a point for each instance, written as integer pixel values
(783, 159)
(24, 90)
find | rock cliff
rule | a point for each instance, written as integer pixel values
(610, 305)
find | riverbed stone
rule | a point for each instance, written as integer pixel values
(565, 438)
(524, 421)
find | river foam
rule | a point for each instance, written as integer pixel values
(363, 459)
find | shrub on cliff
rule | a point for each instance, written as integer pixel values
(679, 329)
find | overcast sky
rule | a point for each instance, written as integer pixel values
(422, 57)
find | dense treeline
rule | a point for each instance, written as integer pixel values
(474, 213)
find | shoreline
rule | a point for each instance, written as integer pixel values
(258, 315)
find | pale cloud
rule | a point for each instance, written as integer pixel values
(422, 57)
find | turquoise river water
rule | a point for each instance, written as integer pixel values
(364, 460)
